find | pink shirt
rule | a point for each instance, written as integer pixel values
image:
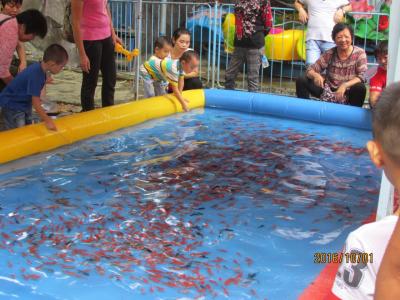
(95, 23)
(8, 43)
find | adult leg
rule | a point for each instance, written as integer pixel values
(253, 61)
(325, 46)
(305, 87)
(234, 66)
(93, 51)
(109, 72)
(312, 52)
(356, 94)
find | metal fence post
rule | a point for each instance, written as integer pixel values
(213, 66)
(163, 28)
(138, 45)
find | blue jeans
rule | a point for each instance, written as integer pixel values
(315, 48)
(154, 88)
(16, 118)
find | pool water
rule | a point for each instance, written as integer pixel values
(205, 205)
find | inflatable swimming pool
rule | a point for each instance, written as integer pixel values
(36, 138)
(232, 201)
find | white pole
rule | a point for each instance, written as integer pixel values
(386, 195)
(163, 27)
(138, 45)
(394, 43)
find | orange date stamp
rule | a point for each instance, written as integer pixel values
(353, 257)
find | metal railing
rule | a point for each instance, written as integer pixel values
(205, 21)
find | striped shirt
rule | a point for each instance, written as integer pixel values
(339, 71)
(151, 69)
(172, 70)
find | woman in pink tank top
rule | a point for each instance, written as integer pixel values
(95, 39)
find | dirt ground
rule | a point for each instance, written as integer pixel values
(63, 95)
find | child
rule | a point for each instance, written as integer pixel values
(12, 8)
(378, 82)
(24, 27)
(23, 91)
(174, 70)
(357, 280)
(153, 80)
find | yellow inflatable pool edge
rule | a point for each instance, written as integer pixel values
(32, 139)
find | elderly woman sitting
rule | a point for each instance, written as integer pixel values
(338, 75)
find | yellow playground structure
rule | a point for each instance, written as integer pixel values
(280, 44)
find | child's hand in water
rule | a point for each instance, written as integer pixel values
(185, 105)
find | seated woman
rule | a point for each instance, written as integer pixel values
(338, 75)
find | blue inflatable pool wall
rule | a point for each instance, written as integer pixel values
(289, 107)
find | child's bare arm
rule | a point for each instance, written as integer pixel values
(22, 56)
(178, 95)
(37, 105)
(181, 83)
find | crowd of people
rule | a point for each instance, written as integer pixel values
(335, 73)
(172, 69)
(336, 69)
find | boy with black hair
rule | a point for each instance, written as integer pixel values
(154, 83)
(24, 90)
(24, 27)
(11, 7)
(357, 279)
(378, 81)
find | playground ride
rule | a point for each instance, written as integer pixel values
(280, 44)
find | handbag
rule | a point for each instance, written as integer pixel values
(328, 94)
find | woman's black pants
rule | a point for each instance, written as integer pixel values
(305, 87)
(102, 58)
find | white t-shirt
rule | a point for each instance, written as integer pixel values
(357, 280)
(320, 18)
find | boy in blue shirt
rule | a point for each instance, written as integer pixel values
(24, 90)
